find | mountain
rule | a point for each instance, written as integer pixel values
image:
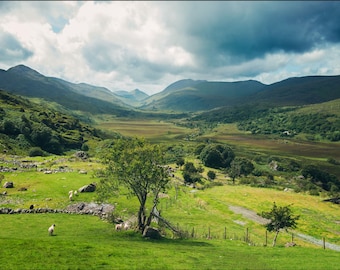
(22, 80)
(190, 95)
(132, 98)
(299, 91)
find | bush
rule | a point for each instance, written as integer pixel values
(217, 156)
(211, 175)
(36, 152)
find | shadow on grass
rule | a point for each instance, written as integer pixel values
(135, 236)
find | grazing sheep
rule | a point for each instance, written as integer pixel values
(70, 192)
(126, 226)
(119, 227)
(70, 196)
(51, 229)
(75, 193)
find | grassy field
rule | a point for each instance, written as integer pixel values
(86, 242)
(153, 130)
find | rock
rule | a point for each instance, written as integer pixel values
(152, 233)
(333, 200)
(9, 185)
(81, 154)
(88, 188)
(290, 244)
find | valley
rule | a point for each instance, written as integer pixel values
(281, 150)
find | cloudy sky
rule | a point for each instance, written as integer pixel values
(151, 44)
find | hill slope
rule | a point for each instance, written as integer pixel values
(25, 125)
(189, 95)
(24, 81)
(300, 91)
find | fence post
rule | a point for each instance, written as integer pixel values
(247, 235)
(225, 232)
(209, 233)
(266, 238)
(292, 237)
(324, 242)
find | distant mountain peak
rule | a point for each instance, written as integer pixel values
(22, 69)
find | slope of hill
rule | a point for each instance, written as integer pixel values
(24, 81)
(189, 95)
(25, 126)
(300, 91)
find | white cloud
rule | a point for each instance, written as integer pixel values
(150, 44)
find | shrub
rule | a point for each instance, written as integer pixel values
(36, 152)
(217, 156)
(211, 175)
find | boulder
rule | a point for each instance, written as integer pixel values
(88, 188)
(9, 185)
(81, 154)
(152, 233)
(290, 244)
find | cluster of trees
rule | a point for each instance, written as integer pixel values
(222, 157)
(326, 126)
(216, 156)
(321, 179)
(47, 131)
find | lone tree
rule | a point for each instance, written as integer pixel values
(138, 166)
(280, 218)
(240, 166)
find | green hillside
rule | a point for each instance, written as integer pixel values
(24, 81)
(200, 96)
(26, 127)
(300, 91)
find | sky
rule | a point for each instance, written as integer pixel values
(125, 45)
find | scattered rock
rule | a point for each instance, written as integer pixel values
(9, 185)
(152, 233)
(333, 200)
(81, 154)
(290, 244)
(88, 188)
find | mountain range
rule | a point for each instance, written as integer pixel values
(181, 96)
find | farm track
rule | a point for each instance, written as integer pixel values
(249, 214)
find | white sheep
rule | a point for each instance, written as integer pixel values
(126, 226)
(51, 229)
(70, 196)
(119, 227)
(75, 193)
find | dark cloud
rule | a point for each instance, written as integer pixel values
(221, 33)
(11, 50)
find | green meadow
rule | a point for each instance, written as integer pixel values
(215, 234)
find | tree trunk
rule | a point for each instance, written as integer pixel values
(148, 222)
(275, 237)
(141, 217)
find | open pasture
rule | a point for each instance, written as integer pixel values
(285, 146)
(153, 130)
(85, 242)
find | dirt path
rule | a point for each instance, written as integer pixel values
(249, 214)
